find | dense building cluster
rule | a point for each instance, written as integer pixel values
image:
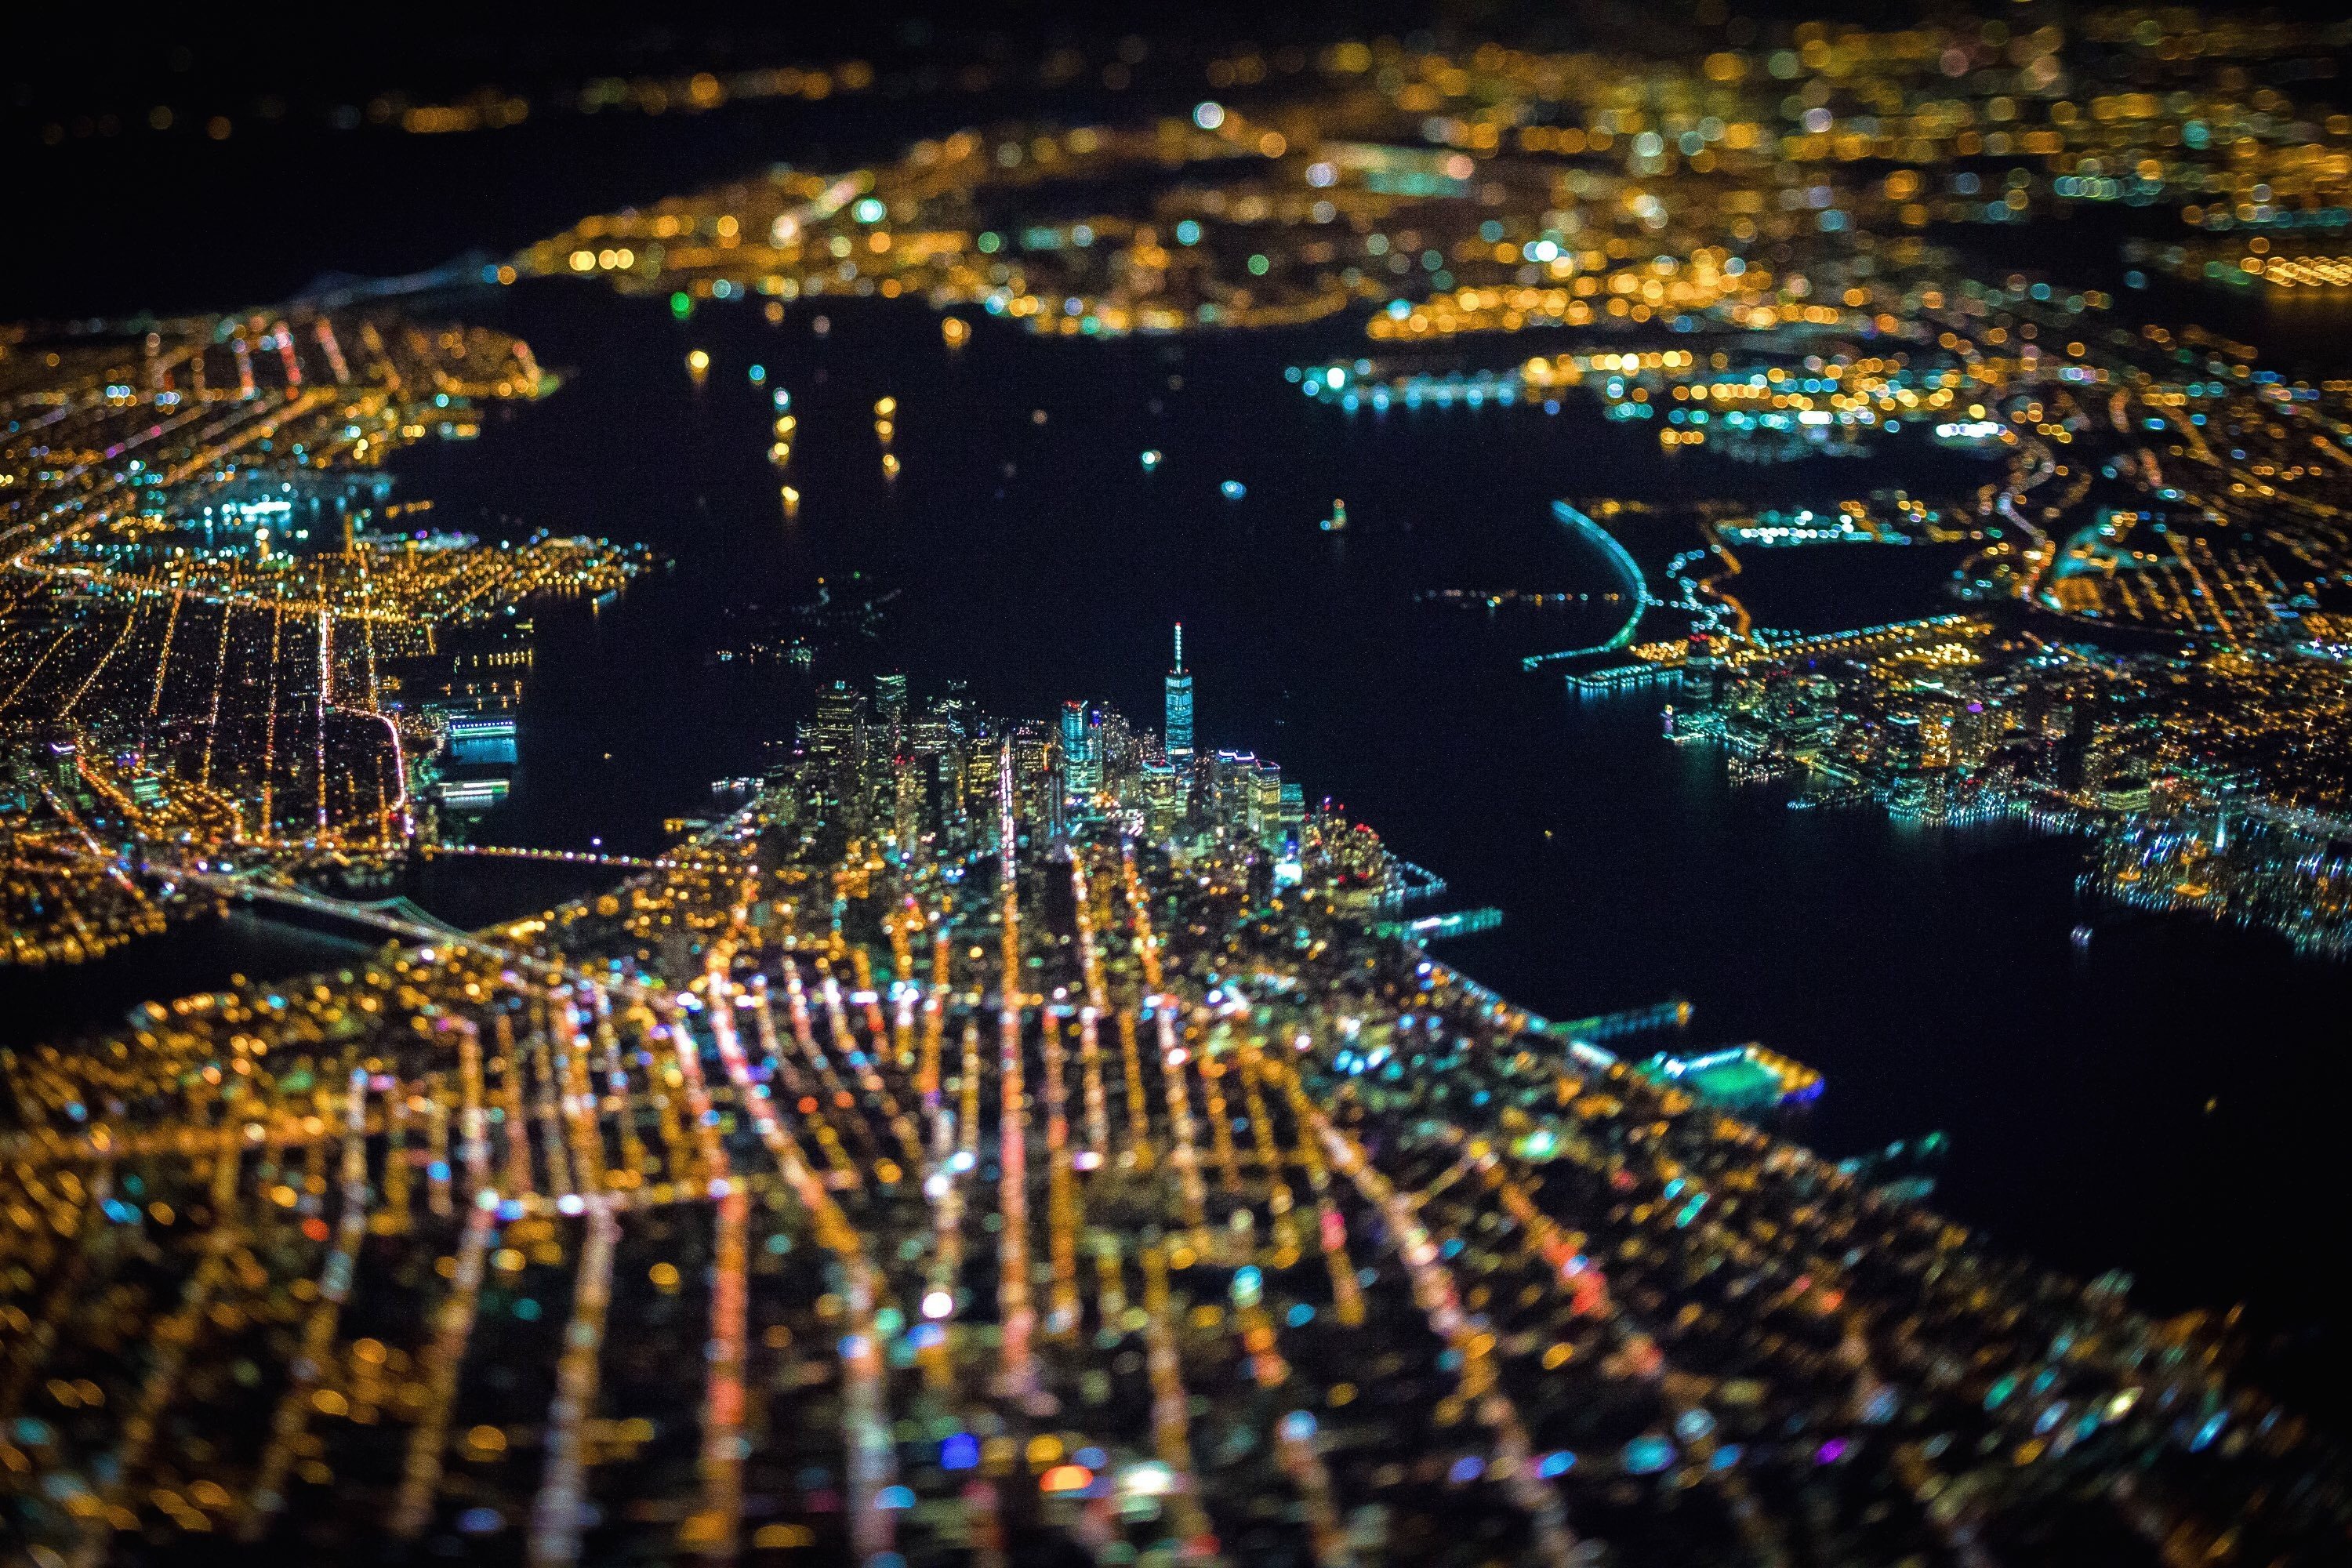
(2146, 482)
(1744, 248)
(870, 764)
(1009, 1137)
(2210, 783)
(222, 639)
(1734, 260)
(967, 1177)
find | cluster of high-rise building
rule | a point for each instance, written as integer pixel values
(1938, 725)
(872, 764)
(2212, 782)
(1060, 1194)
(920, 1166)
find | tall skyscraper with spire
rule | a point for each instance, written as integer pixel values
(1180, 708)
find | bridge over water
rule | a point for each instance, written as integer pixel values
(401, 915)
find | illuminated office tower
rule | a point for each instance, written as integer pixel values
(907, 804)
(1702, 676)
(1116, 753)
(1180, 708)
(1081, 773)
(839, 724)
(1266, 805)
(890, 700)
(1163, 800)
(837, 741)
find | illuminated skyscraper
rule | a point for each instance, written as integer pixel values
(1180, 708)
(1080, 772)
(890, 700)
(840, 722)
(836, 739)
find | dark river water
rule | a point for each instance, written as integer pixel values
(2168, 1102)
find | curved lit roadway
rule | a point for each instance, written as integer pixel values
(1627, 569)
(1713, 582)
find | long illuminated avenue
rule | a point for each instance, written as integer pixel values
(1020, 1173)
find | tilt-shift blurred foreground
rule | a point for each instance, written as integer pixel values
(624, 942)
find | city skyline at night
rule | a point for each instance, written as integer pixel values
(631, 933)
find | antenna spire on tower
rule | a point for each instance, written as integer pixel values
(1180, 645)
